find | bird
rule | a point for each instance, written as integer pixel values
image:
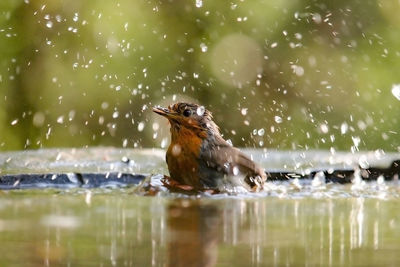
(199, 158)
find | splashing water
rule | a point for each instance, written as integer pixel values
(200, 111)
(396, 91)
(199, 3)
(278, 119)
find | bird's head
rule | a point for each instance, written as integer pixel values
(190, 116)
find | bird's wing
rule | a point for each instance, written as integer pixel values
(225, 158)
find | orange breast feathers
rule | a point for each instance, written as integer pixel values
(183, 154)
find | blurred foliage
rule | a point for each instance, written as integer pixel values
(285, 74)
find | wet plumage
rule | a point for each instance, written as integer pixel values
(198, 155)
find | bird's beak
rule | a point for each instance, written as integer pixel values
(164, 112)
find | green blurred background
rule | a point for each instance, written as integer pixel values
(283, 74)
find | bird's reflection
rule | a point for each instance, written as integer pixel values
(196, 229)
(192, 233)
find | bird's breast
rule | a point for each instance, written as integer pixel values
(182, 157)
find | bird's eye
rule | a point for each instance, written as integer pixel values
(187, 112)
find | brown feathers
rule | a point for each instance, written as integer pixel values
(198, 155)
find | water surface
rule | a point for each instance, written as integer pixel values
(291, 223)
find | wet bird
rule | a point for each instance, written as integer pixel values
(199, 157)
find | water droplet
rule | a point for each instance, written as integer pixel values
(324, 128)
(156, 126)
(164, 142)
(203, 47)
(200, 111)
(76, 17)
(49, 24)
(361, 125)
(140, 126)
(344, 128)
(101, 120)
(261, 132)
(278, 119)
(235, 170)
(363, 162)
(298, 70)
(104, 105)
(396, 91)
(176, 150)
(316, 18)
(125, 142)
(199, 3)
(243, 111)
(380, 180)
(14, 122)
(60, 120)
(356, 140)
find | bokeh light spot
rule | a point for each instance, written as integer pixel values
(236, 60)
